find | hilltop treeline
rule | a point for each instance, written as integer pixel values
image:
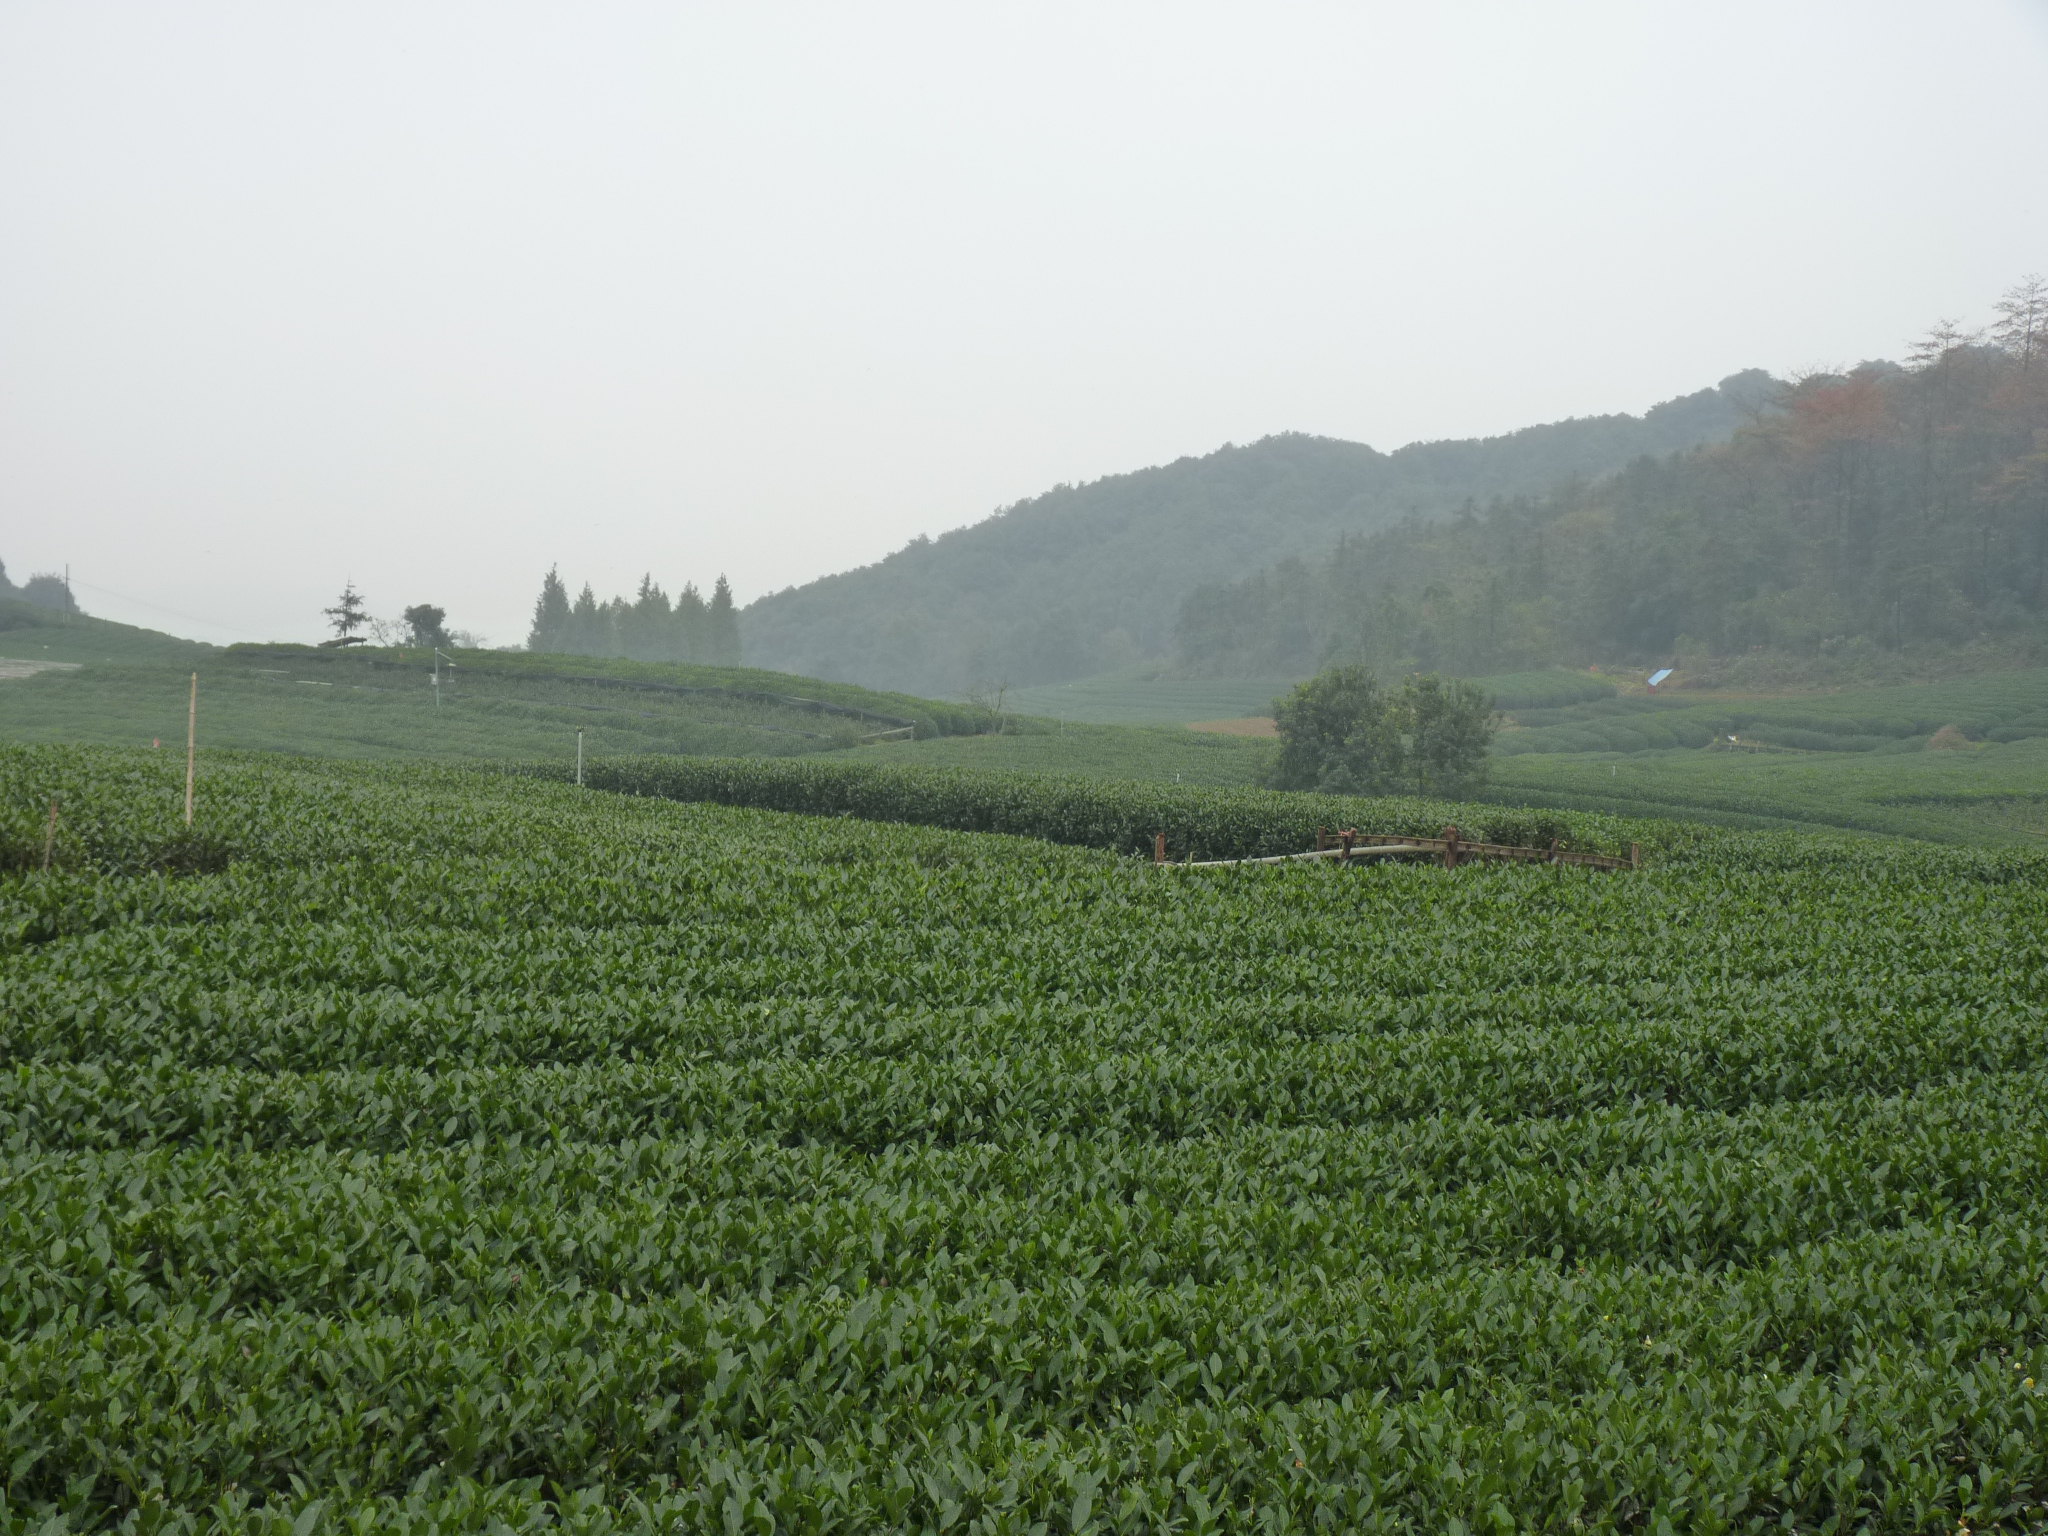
(1088, 578)
(46, 589)
(1891, 507)
(645, 627)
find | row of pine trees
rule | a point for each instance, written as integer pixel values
(646, 627)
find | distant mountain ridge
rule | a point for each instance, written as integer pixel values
(1085, 579)
(1884, 521)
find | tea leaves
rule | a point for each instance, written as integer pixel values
(465, 1152)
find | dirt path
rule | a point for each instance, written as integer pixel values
(10, 667)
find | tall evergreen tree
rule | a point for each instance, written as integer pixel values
(347, 616)
(587, 625)
(647, 636)
(722, 628)
(550, 630)
(644, 627)
(614, 622)
(2022, 324)
(689, 624)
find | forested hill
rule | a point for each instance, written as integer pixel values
(1086, 578)
(1883, 511)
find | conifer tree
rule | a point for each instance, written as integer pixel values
(347, 616)
(689, 623)
(722, 638)
(2022, 324)
(550, 630)
(644, 627)
(647, 624)
(587, 625)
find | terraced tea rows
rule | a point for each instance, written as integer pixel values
(474, 1153)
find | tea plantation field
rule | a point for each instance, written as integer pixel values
(129, 687)
(1859, 760)
(424, 1148)
(1144, 696)
(1165, 753)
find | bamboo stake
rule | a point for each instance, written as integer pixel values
(191, 747)
(1377, 851)
(50, 837)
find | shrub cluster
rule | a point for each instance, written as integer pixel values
(1199, 822)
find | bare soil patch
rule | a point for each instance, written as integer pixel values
(11, 667)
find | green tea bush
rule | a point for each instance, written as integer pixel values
(1546, 689)
(1204, 823)
(480, 1153)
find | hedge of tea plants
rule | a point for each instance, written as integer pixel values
(427, 1149)
(1123, 815)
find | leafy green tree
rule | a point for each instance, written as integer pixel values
(1339, 731)
(550, 630)
(426, 625)
(1343, 733)
(50, 590)
(1449, 725)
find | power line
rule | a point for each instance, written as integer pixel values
(189, 618)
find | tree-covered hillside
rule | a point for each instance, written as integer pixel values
(45, 590)
(1889, 510)
(1084, 579)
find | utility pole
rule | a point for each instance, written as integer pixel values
(438, 654)
(579, 758)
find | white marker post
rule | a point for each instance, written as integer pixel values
(579, 759)
(191, 747)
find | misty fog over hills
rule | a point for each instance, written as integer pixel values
(1082, 579)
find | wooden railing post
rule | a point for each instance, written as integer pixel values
(1635, 855)
(1346, 838)
(1159, 848)
(1450, 847)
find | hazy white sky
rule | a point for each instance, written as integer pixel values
(434, 294)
